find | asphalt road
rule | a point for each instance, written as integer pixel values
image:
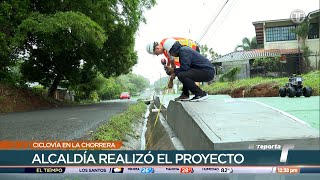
(67, 123)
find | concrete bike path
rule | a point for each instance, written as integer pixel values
(226, 123)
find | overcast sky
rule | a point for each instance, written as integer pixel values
(189, 18)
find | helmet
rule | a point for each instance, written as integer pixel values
(150, 47)
(168, 44)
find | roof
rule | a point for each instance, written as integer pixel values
(310, 14)
(313, 14)
(255, 53)
(269, 21)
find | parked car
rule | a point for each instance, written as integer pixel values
(125, 95)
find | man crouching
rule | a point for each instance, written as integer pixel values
(194, 67)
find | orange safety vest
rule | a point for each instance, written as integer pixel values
(183, 42)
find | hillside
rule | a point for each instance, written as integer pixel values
(16, 99)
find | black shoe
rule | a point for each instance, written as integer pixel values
(182, 97)
(200, 98)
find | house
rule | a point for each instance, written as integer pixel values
(64, 94)
(279, 41)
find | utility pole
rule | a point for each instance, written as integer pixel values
(317, 66)
(299, 61)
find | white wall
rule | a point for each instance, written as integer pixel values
(281, 45)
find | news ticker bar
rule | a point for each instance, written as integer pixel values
(60, 145)
(163, 170)
(67, 158)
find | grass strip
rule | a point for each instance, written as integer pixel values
(311, 79)
(119, 125)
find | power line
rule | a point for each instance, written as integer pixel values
(221, 22)
(212, 21)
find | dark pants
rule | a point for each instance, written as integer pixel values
(188, 79)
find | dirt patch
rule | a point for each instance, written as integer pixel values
(16, 99)
(261, 90)
(240, 92)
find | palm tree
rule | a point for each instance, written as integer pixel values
(248, 45)
(205, 51)
(302, 31)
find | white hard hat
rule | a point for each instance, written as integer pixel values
(168, 44)
(150, 47)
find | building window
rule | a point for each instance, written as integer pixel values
(314, 31)
(280, 34)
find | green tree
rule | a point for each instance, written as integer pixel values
(140, 82)
(84, 84)
(248, 44)
(110, 89)
(208, 52)
(11, 15)
(160, 84)
(133, 83)
(270, 64)
(231, 75)
(302, 32)
(60, 37)
(55, 49)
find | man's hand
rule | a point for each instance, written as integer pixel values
(167, 71)
(170, 84)
(170, 70)
(172, 77)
